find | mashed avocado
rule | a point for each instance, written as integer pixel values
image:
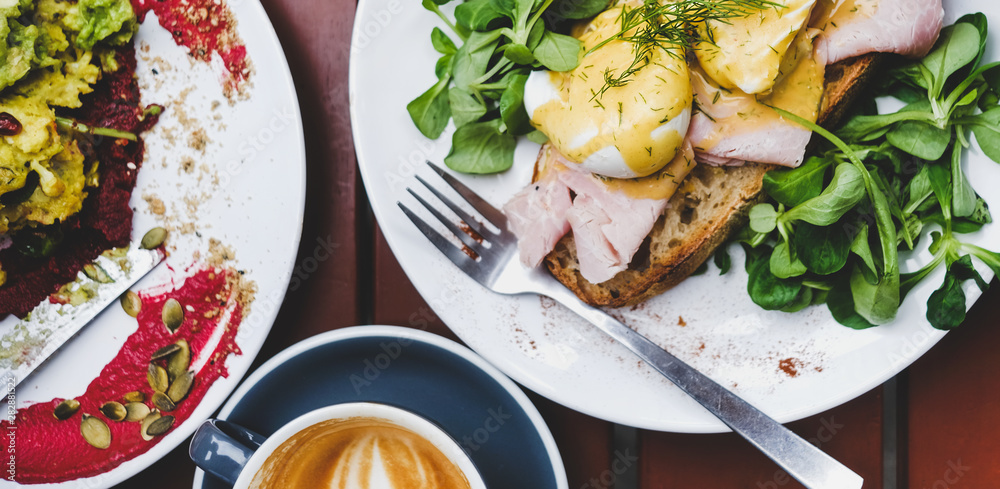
(47, 60)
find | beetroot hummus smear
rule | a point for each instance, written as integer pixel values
(205, 27)
(215, 301)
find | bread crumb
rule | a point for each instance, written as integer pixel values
(156, 205)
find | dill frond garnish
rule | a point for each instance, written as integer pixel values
(672, 27)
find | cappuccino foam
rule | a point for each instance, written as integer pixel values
(358, 453)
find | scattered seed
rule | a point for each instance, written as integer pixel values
(97, 273)
(136, 411)
(131, 303)
(180, 387)
(114, 411)
(162, 402)
(160, 426)
(153, 238)
(179, 362)
(173, 314)
(65, 409)
(95, 431)
(134, 396)
(157, 377)
(148, 420)
(166, 351)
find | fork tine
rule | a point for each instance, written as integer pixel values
(458, 232)
(457, 256)
(464, 216)
(491, 213)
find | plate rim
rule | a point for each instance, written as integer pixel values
(376, 330)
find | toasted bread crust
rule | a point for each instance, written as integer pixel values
(709, 208)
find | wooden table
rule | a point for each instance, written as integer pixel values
(932, 427)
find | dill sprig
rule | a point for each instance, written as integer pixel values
(672, 27)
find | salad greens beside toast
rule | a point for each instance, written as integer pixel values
(839, 221)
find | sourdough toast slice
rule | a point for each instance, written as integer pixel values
(712, 204)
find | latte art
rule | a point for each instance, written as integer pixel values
(358, 453)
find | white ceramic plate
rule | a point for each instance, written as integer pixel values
(256, 149)
(708, 321)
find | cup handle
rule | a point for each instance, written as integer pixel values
(222, 448)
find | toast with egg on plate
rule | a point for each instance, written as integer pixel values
(711, 204)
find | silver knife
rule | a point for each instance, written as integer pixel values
(51, 324)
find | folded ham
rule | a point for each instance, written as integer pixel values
(907, 27)
(608, 225)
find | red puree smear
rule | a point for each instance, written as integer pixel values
(106, 220)
(204, 27)
(49, 450)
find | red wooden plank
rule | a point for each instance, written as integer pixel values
(954, 400)
(585, 445)
(396, 300)
(851, 433)
(323, 293)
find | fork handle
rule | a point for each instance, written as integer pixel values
(803, 461)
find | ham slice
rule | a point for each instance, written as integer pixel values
(907, 27)
(608, 225)
(778, 141)
(537, 215)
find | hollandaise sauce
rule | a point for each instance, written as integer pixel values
(799, 91)
(747, 53)
(626, 131)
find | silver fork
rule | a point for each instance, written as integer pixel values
(496, 267)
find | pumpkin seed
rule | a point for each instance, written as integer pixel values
(131, 303)
(166, 351)
(148, 420)
(162, 402)
(95, 431)
(157, 377)
(153, 238)
(114, 411)
(97, 273)
(65, 409)
(173, 315)
(134, 396)
(160, 426)
(136, 411)
(179, 362)
(180, 387)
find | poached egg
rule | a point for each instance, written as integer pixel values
(628, 131)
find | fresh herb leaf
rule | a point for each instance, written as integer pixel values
(577, 9)
(512, 111)
(920, 139)
(783, 265)
(465, 107)
(844, 192)
(480, 15)
(822, 249)
(480, 147)
(430, 111)
(558, 52)
(793, 186)
(441, 42)
(763, 218)
(723, 260)
(766, 290)
(840, 301)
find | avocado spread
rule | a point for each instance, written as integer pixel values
(51, 53)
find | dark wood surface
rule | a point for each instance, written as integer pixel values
(934, 427)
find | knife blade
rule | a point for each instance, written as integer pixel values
(53, 323)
